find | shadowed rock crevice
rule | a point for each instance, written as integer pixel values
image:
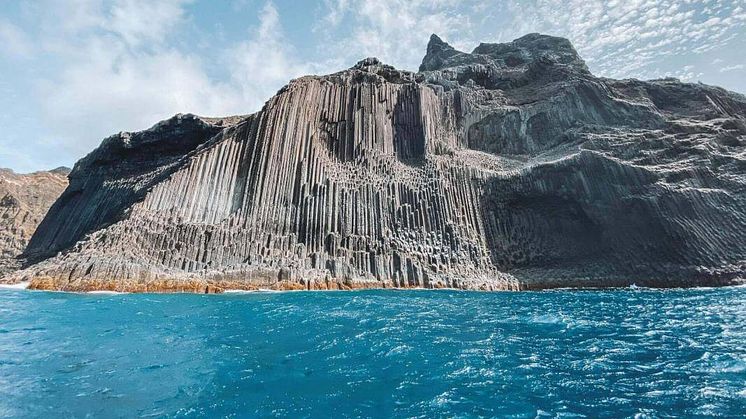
(510, 167)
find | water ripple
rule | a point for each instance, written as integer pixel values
(633, 353)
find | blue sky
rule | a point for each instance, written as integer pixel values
(73, 72)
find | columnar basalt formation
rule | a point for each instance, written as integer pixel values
(24, 200)
(511, 167)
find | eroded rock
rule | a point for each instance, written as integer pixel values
(24, 199)
(511, 167)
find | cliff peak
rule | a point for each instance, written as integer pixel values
(372, 66)
(532, 47)
(437, 44)
(438, 52)
(522, 52)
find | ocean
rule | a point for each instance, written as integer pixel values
(619, 353)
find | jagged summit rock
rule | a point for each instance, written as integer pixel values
(438, 54)
(533, 47)
(526, 60)
(371, 69)
(367, 63)
(510, 167)
(523, 51)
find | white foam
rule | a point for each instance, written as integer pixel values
(239, 291)
(260, 290)
(18, 286)
(105, 292)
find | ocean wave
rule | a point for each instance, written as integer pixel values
(16, 286)
(103, 292)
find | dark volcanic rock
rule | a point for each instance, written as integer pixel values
(511, 167)
(106, 182)
(24, 199)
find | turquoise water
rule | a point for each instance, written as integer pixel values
(375, 353)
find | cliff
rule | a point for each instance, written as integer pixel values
(510, 167)
(24, 200)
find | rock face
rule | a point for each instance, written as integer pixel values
(24, 199)
(510, 167)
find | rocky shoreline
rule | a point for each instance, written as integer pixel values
(202, 286)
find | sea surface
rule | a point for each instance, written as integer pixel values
(623, 353)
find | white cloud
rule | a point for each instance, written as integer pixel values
(732, 68)
(13, 41)
(115, 90)
(617, 38)
(629, 38)
(119, 72)
(144, 21)
(334, 12)
(124, 64)
(266, 61)
(396, 31)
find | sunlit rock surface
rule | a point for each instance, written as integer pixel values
(510, 167)
(24, 200)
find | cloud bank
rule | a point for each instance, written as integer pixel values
(81, 70)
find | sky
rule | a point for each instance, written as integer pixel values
(74, 72)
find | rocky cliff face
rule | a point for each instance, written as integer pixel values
(510, 167)
(24, 199)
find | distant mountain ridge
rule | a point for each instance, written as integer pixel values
(510, 167)
(24, 200)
